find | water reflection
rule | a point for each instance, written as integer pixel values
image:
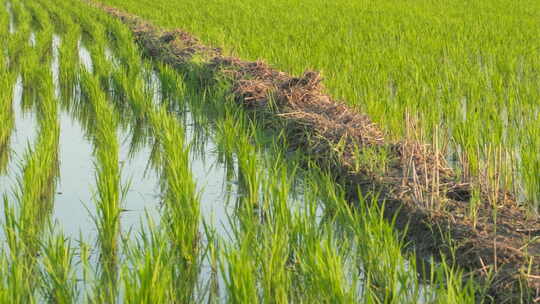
(214, 168)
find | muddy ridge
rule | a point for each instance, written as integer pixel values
(419, 188)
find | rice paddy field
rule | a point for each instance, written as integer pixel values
(464, 73)
(128, 177)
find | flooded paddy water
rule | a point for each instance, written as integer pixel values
(74, 212)
(75, 189)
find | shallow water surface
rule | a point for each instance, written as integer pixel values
(74, 206)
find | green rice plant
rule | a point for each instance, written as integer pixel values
(181, 214)
(324, 271)
(133, 101)
(4, 22)
(98, 29)
(122, 44)
(94, 38)
(180, 221)
(241, 277)
(87, 33)
(181, 201)
(278, 253)
(121, 82)
(275, 256)
(225, 135)
(14, 284)
(531, 165)
(248, 176)
(58, 20)
(40, 171)
(382, 261)
(40, 54)
(43, 24)
(7, 80)
(69, 63)
(18, 46)
(374, 160)
(149, 274)
(70, 34)
(322, 256)
(383, 282)
(4, 268)
(171, 87)
(132, 90)
(107, 182)
(121, 41)
(388, 275)
(275, 279)
(25, 222)
(59, 280)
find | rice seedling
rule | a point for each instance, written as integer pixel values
(180, 219)
(181, 214)
(26, 221)
(7, 79)
(148, 274)
(68, 52)
(107, 181)
(19, 42)
(59, 281)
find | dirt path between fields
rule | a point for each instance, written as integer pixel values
(420, 190)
